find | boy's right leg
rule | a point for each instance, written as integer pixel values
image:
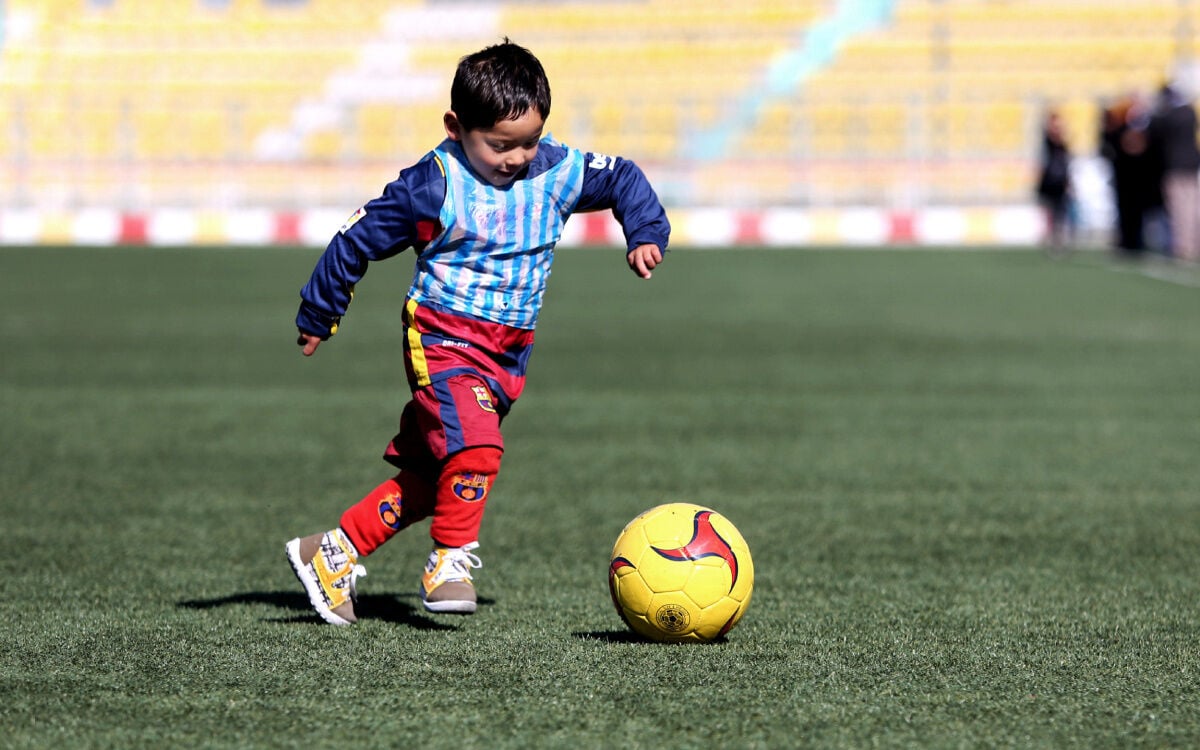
(327, 563)
(388, 509)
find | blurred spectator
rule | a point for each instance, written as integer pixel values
(1054, 182)
(1173, 138)
(1136, 174)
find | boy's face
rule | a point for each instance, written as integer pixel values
(499, 153)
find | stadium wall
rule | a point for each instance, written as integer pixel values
(1018, 225)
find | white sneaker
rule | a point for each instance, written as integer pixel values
(327, 565)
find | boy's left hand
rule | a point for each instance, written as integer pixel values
(644, 258)
(309, 342)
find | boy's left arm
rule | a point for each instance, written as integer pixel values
(619, 184)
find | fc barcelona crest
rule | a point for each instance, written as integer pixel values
(389, 511)
(471, 488)
(483, 397)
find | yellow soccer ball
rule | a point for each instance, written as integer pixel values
(681, 572)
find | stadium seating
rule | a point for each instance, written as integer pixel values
(288, 102)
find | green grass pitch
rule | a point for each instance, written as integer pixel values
(970, 481)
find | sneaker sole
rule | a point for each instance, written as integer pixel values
(452, 607)
(312, 586)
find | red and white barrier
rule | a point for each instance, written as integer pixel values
(692, 227)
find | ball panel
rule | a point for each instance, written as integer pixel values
(663, 574)
(630, 590)
(708, 581)
(670, 526)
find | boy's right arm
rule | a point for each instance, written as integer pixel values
(396, 220)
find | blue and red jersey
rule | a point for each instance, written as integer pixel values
(482, 252)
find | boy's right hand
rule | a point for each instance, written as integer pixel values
(309, 342)
(643, 259)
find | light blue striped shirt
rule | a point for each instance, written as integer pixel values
(492, 258)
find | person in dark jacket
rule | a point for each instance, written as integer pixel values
(1136, 174)
(1173, 138)
(1054, 181)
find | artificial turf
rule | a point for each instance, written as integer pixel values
(970, 482)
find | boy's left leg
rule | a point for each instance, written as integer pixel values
(462, 493)
(461, 424)
(465, 374)
(463, 487)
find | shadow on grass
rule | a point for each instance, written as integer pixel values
(627, 636)
(610, 636)
(368, 607)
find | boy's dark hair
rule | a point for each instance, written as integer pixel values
(501, 82)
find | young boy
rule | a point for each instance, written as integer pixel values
(483, 212)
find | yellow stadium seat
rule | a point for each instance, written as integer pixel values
(165, 84)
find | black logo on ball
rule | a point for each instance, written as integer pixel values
(672, 618)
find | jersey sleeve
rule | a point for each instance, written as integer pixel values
(405, 215)
(611, 182)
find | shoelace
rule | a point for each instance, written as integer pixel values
(458, 563)
(356, 572)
